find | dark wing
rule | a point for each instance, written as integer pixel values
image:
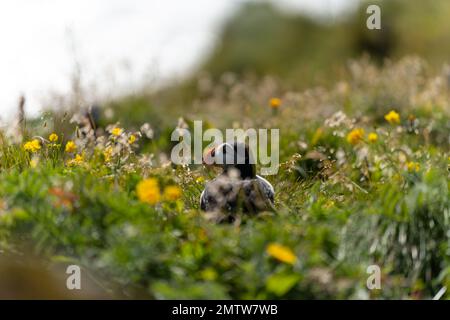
(220, 194)
(258, 195)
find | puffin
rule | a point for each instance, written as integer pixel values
(238, 187)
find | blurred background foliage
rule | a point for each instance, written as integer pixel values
(298, 50)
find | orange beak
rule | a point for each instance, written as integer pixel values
(208, 156)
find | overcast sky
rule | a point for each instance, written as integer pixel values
(119, 44)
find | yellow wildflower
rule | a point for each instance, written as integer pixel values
(275, 103)
(355, 136)
(116, 131)
(53, 137)
(32, 146)
(392, 117)
(148, 191)
(107, 153)
(413, 166)
(131, 139)
(373, 137)
(71, 146)
(201, 179)
(172, 193)
(281, 253)
(77, 160)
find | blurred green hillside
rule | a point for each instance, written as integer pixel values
(265, 40)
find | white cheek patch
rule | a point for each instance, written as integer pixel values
(208, 157)
(224, 154)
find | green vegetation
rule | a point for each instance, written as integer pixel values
(355, 188)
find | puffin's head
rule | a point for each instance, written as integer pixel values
(232, 155)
